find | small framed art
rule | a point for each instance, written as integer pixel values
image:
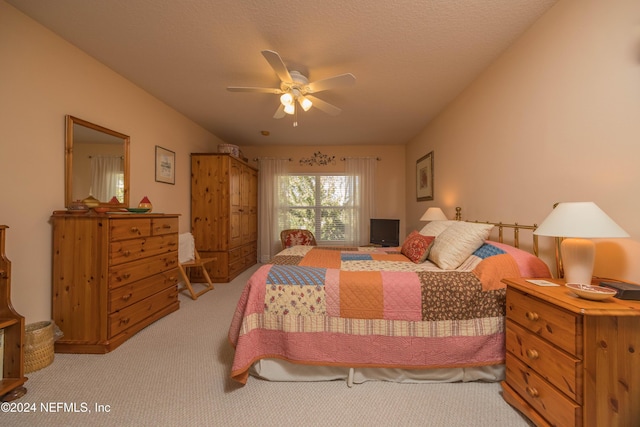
(424, 177)
(165, 165)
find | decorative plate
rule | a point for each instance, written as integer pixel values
(138, 210)
(595, 293)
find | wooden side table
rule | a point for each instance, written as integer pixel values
(571, 361)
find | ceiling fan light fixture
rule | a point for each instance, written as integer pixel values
(296, 88)
(286, 99)
(290, 108)
(305, 102)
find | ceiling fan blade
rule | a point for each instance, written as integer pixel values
(341, 80)
(324, 106)
(254, 89)
(278, 65)
(279, 112)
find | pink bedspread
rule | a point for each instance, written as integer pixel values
(375, 308)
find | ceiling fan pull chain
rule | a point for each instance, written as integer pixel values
(295, 115)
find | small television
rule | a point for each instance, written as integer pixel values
(384, 232)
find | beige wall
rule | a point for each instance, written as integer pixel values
(390, 199)
(556, 118)
(43, 78)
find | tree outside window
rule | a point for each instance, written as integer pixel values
(318, 203)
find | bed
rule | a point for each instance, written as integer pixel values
(429, 311)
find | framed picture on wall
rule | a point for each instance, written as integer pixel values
(165, 165)
(424, 177)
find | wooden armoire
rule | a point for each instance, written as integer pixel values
(224, 213)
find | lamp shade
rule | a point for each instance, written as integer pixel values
(433, 214)
(579, 219)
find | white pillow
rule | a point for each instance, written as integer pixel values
(436, 227)
(457, 242)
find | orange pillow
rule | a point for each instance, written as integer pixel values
(416, 247)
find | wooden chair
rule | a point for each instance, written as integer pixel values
(188, 257)
(297, 236)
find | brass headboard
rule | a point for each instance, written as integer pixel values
(501, 226)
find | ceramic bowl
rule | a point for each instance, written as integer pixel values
(595, 293)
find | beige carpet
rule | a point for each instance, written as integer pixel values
(176, 373)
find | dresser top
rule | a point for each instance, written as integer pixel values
(562, 296)
(93, 214)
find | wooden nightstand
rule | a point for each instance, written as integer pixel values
(571, 361)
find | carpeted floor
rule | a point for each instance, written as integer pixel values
(176, 373)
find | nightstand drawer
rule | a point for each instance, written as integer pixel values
(540, 395)
(554, 324)
(553, 364)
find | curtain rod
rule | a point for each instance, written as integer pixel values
(345, 158)
(120, 157)
(255, 159)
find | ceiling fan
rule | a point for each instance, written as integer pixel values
(295, 87)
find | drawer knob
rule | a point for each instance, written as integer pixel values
(134, 229)
(532, 354)
(126, 275)
(166, 225)
(531, 391)
(532, 315)
(126, 253)
(126, 297)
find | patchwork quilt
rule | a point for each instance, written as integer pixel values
(373, 307)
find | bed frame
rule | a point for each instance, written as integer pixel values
(279, 370)
(501, 226)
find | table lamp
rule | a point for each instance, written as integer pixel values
(433, 214)
(576, 222)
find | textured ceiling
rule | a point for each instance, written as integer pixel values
(410, 57)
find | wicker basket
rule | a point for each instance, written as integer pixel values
(38, 348)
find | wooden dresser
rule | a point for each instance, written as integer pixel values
(224, 213)
(113, 274)
(571, 361)
(12, 377)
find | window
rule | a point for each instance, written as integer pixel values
(319, 203)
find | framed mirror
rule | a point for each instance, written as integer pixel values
(96, 163)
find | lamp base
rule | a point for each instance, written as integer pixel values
(578, 258)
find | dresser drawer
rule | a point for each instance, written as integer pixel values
(552, 323)
(128, 228)
(559, 368)
(235, 255)
(130, 272)
(540, 395)
(125, 318)
(130, 250)
(164, 225)
(127, 295)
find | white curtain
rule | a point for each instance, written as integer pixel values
(361, 173)
(272, 205)
(105, 174)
